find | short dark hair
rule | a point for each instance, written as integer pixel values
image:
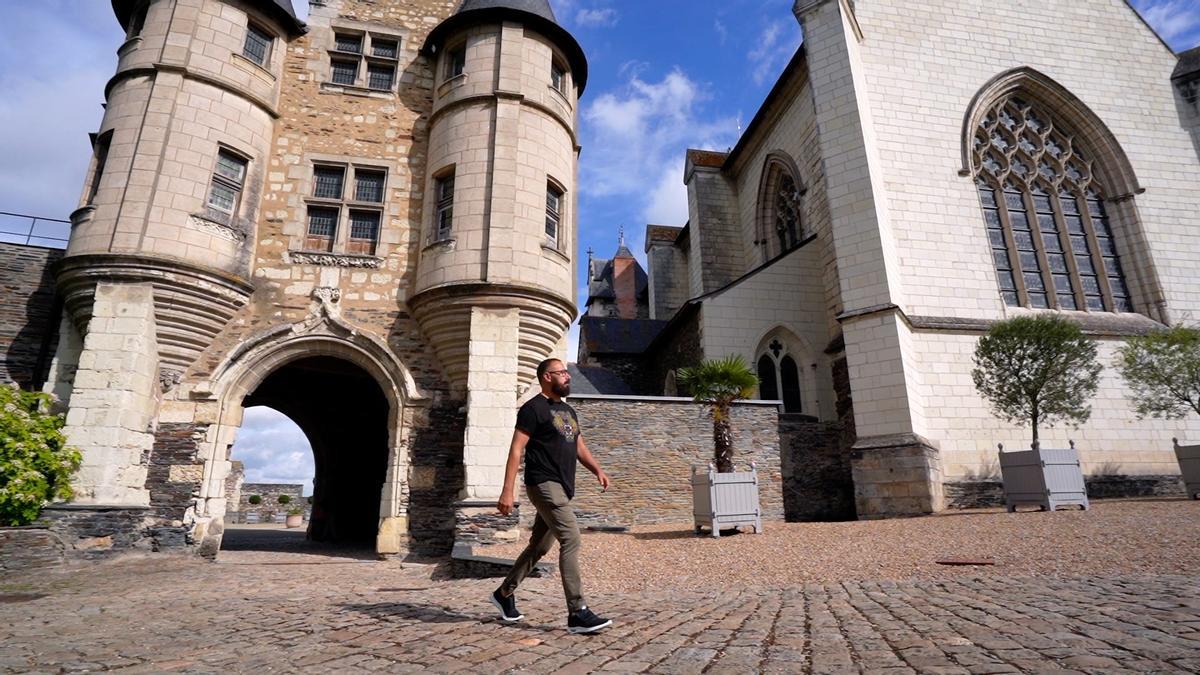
(544, 366)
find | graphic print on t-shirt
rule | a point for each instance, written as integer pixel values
(565, 424)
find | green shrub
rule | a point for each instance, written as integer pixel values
(35, 462)
(1037, 370)
(1163, 372)
(295, 511)
(285, 499)
(255, 499)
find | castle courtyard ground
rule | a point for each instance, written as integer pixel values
(1114, 589)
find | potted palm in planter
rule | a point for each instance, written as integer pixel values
(722, 497)
(1163, 373)
(1038, 370)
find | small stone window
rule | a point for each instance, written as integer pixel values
(257, 46)
(101, 158)
(558, 77)
(1048, 228)
(554, 198)
(456, 62)
(333, 209)
(364, 60)
(444, 215)
(225, 190)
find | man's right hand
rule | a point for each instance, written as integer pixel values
(506, 502)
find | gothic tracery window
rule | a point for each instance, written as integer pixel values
(1050, 233)
(779, 377)
(787, 213)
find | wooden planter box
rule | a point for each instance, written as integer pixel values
(725, 499)
(1189, 465)
(1046, 477)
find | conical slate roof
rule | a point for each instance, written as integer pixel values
(280, 9)
(535, 14)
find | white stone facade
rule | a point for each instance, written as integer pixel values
(874, 120)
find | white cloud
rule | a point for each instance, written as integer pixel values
(776, 44)
(637, 136)
(273, 449)
(1177, 21)
(722, 30)
(596, 17)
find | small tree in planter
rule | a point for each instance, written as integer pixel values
(722, 496)
(35, 462)
(1038, 370)
(1163, 373)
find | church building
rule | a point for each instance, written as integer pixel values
(919, 172)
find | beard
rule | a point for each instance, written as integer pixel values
(561, 389)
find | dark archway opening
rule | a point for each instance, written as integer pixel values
(344, 414)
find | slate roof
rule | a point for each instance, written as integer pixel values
(280, 9)
(534, 13)
(603, 335)
(600, 277)
(1189, 65)
(596, 380)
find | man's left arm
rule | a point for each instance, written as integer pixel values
(590, 463)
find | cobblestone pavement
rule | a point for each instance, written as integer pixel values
(327, 612)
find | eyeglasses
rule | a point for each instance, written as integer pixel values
(557, 372)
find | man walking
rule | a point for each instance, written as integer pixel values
(548, 432)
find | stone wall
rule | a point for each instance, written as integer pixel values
(28, 313)
(270, 506)
(678, 346)
(817, 485)
(648, 446)
(27, 548)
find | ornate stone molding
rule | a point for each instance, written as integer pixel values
(222, 230)
(332, 259)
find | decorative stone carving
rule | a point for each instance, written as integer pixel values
(169, 377)
(332, 259)
(222, 230)
(325, 314)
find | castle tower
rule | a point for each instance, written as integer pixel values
(495, 284)
(159, 255)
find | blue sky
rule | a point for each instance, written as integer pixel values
(665, 75)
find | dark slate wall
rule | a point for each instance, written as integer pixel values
(28, 314)
(648, 449)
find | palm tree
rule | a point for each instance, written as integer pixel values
(719, 383)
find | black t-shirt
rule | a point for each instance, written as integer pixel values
(550, 453)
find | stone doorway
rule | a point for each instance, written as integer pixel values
(344, 414)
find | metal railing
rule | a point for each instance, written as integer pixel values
(12, 230)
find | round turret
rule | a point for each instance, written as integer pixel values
(499, 227)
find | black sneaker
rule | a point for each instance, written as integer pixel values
(507, 606)
(586, 621)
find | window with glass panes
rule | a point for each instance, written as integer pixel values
(228, 177)
(558, 77)
(257, 47)
(444, 216)
(353, 192)
(1048, 227)
(553, 211)
(456, 62)
(364, 60)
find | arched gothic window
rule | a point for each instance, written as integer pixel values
(1049, 230)
(779, 377)
(781, 227)
(787, 213)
